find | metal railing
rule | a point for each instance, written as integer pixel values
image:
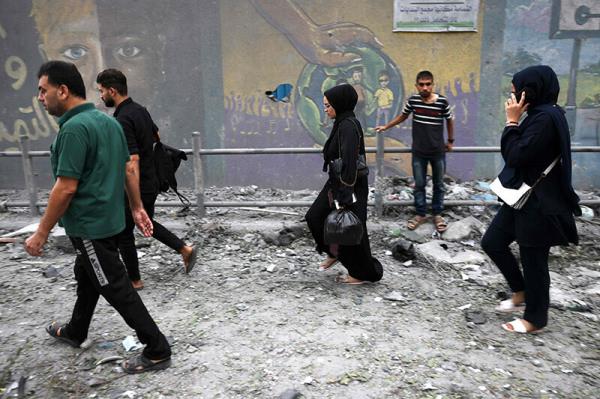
(198, 153)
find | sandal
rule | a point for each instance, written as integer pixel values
(517, 326)
(55, 332)
(327, 263)
(416, 222)
(140, 364)
(440, 223)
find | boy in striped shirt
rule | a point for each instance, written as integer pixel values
(429, 111)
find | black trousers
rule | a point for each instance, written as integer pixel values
(126, 238)
(99, 271)
(356, 258)
(535, 279)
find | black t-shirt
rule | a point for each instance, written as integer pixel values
(139, 132)
(428, 124)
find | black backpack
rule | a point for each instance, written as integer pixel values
(166, 162)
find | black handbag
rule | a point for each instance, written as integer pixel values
(361, 162)
(342, 227)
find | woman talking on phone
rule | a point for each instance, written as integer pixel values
(529, 147)
(349, 189)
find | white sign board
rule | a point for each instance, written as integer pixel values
(435, 15)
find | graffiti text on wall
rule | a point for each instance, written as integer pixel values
(34, 122)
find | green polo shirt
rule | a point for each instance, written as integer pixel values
(91, 147)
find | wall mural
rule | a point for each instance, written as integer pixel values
(207, 69)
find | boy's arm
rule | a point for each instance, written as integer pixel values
(397, 120)
(450, 128)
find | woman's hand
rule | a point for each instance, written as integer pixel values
(514, 109)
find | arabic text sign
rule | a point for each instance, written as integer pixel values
(435, 15)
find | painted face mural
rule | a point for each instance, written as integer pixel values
(203, 65)
(69, 31)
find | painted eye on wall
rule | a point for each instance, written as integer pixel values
(75, 52)
(128, 51)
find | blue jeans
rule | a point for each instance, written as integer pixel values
(438, 168)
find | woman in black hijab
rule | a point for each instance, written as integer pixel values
(528, 148)
(350, 189)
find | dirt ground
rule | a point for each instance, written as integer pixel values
(258, 320)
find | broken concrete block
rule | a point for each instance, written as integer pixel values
(463, 228)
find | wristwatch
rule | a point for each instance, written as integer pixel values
(451, 141)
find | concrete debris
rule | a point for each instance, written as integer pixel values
(436, 250)
(290, 394)
(403, 250)
(462, 229)
(257, 319)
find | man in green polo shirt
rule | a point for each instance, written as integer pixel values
(88, 159)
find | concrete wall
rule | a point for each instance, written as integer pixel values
(205, 65)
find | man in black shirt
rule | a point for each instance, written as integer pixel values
(140, 133)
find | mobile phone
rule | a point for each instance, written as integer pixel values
(529, 95)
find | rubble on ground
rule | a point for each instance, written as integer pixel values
(257, 319)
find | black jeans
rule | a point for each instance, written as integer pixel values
(535, 279)
(126, 238)
(99, 271)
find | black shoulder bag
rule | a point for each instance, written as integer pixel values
(361, 162)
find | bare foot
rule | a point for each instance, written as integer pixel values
(518, 297)
(327, 263)
(349, 280)
(137, 285)
(189, 258)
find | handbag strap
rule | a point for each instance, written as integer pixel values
(546, 171)
(340, 151)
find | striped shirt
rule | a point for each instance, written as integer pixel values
(428, 124)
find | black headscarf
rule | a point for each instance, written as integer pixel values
(541, 84)
(343, 99)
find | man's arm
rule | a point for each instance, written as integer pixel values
(132, 187)
(399, 119)
(60, 197)
(450, 127)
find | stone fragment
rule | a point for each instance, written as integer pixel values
(463, 228)
(290, 394)
(403, 250)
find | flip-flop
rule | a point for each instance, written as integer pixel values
(53, 329)
(517, 326)
(140, 364)
(193, 258)
(507, 306)
(327, 263)
(415, 222)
